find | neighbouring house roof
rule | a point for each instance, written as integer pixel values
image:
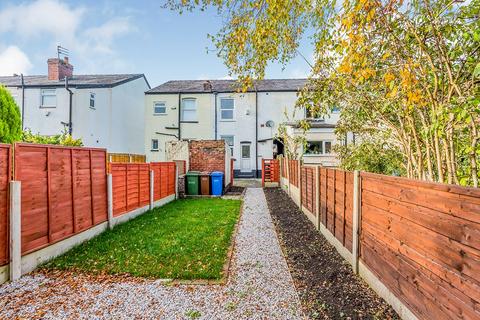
(76, 81)
(208, 86)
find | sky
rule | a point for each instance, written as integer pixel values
(118, 36)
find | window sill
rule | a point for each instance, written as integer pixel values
(228, 120)
(48, 107)
(153, 150)
(159, 114)
(183, 121)
(93, 108)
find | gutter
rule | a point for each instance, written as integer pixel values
(23, 103)
(70, 129)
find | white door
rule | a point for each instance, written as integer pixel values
(246, 161)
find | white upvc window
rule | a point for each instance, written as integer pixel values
(154, 144)
(322, 147)
(227, 107)
(92, 100)
(230, 140)
(159, 108)
(189, 109)
(48, 98)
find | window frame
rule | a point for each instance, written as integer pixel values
(92, 94)
(152, 143)
(232, 109)
(155, 106)
(182, 116)
(42, 94)
(323, 147)
(231, 146)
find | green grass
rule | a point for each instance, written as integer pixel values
(185, 239)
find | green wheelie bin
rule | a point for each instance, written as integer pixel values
(193, 183)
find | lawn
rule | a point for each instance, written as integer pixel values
(185, 239)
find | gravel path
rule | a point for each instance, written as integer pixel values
(260, 286)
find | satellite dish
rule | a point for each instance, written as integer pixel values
(269, 124)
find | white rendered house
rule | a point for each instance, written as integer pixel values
(105, 111)
(215, 109)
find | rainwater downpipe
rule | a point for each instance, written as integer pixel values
(70, 129)
(256, 133)
(179, 116)
(216, 116)
(23, 103)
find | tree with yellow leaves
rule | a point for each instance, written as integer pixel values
(406, 75)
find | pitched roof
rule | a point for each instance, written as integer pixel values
(202, 86)
(77, 81)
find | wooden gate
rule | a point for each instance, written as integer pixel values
(270, 171)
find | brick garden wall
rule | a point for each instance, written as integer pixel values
(207, 155)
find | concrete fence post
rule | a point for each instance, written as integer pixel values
(110, 200)
(287, 162)
(357, 211)
(299, 180)
(176, 181)
(317, 195)
(152, 185)
(15, 230)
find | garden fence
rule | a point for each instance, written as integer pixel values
(5, 174)
(63, 192)
(418, 243)
(65, 195)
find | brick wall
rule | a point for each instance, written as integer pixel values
(207, 155)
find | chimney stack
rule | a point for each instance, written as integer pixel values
(207, 86)
(58, 69)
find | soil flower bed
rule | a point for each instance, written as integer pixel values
(186, 239)
(326, 284)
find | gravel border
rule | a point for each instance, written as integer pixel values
(259, 287)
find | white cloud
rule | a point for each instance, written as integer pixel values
(40, 17)
(13, 60)
(57, 23)
(102, 37)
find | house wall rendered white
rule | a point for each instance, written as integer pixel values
(270, 106)
(164, 127)
(116, 122)
(127, 129)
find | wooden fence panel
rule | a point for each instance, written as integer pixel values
(423, 241)
(293, 172)
(336, 203)
(330, 193)
(348, 236)
(164, 185)
(5, 175)
(131, 186)
(308, 188)
(63, 192)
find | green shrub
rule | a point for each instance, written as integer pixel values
(64, 139)
(10, 120)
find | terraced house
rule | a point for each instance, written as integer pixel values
(103, 110)
(248, 121)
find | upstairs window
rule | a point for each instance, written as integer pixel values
(227, 107)
(189, 109)
(318, 148)
(154, 144)
(159, 108)
(92, 100)
(48, 98)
